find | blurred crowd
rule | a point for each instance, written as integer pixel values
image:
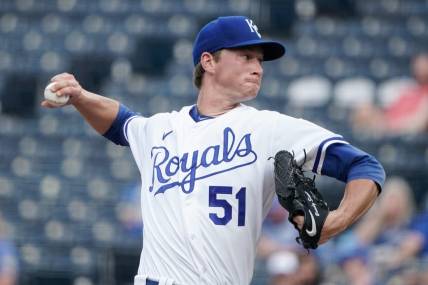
(408, 111)
(388, 246)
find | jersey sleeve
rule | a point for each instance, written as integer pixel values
(121, 127)
(306, 140)
(324, 152)
(346, 163)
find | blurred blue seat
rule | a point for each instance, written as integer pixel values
(7, 187)
(82, 259)
(104, 232)
(31, 254)
(57, 231)
(416, 26)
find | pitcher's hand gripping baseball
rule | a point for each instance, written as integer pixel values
(62, 90)
(299, 196)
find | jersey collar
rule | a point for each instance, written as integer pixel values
(196, 116)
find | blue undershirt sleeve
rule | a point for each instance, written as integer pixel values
(346, 162)
(115, 133)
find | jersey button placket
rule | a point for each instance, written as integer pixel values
(189, 212)
(188, 208)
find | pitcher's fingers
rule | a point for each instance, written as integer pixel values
(46, 104)
(68, 91)
(63, 75)
(299, 220)
(63, 84)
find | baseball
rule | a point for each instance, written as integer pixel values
(53, 97)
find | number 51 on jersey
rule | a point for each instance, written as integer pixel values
(216, 202)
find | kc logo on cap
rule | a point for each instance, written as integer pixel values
(233, 32)
(253, 27)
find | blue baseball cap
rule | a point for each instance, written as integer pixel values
(233, 32)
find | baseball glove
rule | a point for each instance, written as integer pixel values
(299, 196)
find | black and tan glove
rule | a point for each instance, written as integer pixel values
(299, 196)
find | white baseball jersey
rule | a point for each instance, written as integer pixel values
(208, 185)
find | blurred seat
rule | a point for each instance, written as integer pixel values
(124, 169)
(31, 254)
(181, 25)
(180, 85)
(7, 187)
(416, 26)
(306, 45)
(112, 6)
(152, 6)
(239, 6)
(95, 24)
(33, 40)
(389, 90)
(48, 124)
(353, 92)
(77, 42)
(380, 67)
(353, 46)
(28, 146)
(83, 280)
(399, 46)
(52, 62)
(9, 23)
(68, 5)
(80, 211)
(72, 167)
(29, 210)
(54, 24)
(290, 67)
(82, 258)
(99, 189)
(271, 88)
(197, 6)
(22, 167)
(137, 24)
(6, 61)
(57, 231)
(310, 91)
(335, 67)
(103, 231)
(119, 43)
(50, 187)
(24, 5)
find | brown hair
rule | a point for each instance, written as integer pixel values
(198, 72)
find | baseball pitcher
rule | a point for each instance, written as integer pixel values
(209, 171)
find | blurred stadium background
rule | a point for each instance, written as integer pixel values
(64, 189)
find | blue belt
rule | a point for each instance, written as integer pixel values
(151, 282)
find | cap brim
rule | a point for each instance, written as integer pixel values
(271, 50)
